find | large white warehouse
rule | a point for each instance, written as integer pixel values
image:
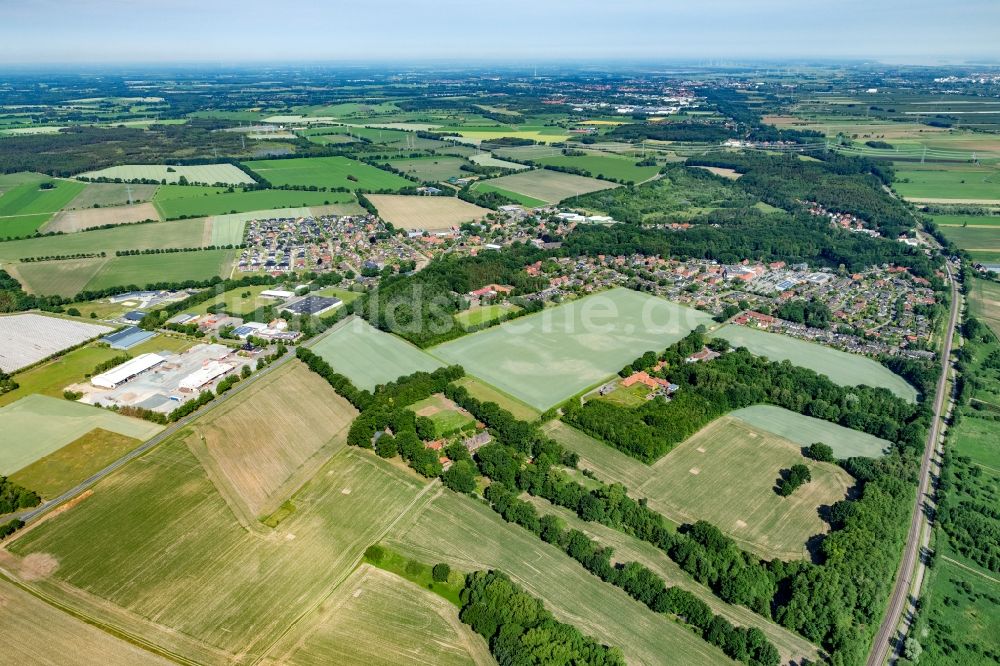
(120, 374)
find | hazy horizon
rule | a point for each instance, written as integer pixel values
(141, 32)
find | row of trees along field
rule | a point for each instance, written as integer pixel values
(968, 507)
(835, 601)
(734, 380)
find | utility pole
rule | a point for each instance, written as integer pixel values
(128, 189)
(923, 156)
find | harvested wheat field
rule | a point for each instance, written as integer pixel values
(375, 618)
(69, 221)
(259, 447)
(421, 212)
(45, 635)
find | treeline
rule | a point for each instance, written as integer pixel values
(687, 130)
(486, 199)
(520, 631)
(750, 646)
(840, 183)
(59, 257)
(14, 497)
(811, 312)
(169, 250)
(734, 380)
(420, 307)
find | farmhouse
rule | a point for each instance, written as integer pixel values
(645, 379)
(491, 290)
(748, 317)
(118, 375)
(705, 354)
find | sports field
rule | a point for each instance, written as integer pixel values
(69, 221)
(984, 302)
(424, 212)
(603, 166)
(46, 635)
(548, 186)
(841, 367)
(262, 445)
(432, 168)
(544, 358)
(327, 172)
(378, 618)
(368, 356)
(142, 269)
(221, 594)
(61, 470)
(726, 473)
(805, 430)
(26, 207)
(469, 536)
(173, 204)
(209, 174)
(37, 425)
(483, 314)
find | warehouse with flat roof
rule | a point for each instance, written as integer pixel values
(120, 374)
(210, 371)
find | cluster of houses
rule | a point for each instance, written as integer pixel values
(845, 221)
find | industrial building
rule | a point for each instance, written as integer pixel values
(127, 337)
(209, 372)
(120, 374)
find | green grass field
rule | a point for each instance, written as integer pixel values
(143, 269)
(984, 302)
(468, 535)
(111, 194)
(483, 314)
(486, 393)
(60, 470)
(965, 183)
(967, 220)
(219, 202)
(961, 608)
(544, 358)
(368, 356)
(178, 234)
(431, 168)
(805, 430)
(61, 278)
(979, 241)
(38, 425)
(327, 172)
(603, 166)
(446, 416)
(26, 207)
(841, 367)
(209, 174)
(547, 186)
(221, 594)
(529, 202)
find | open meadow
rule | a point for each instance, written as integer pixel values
(544, 358)
(447, 417)
(805, 430)
(484, 314)
(327, 172)
(488, 160)
(545, 185)
(966, 182)
(208, 174)
(469, 535)
(221, 594)
(111, 194)
(38, 425)
(602, 166)
(377, 618)
(841, 367)
(262, 445)
(368, 356)
(483, 392)
(426, 212)
(982, 242)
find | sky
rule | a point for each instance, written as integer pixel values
(228, 32)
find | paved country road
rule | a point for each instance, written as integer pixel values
(912, 566)
(159, 438)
